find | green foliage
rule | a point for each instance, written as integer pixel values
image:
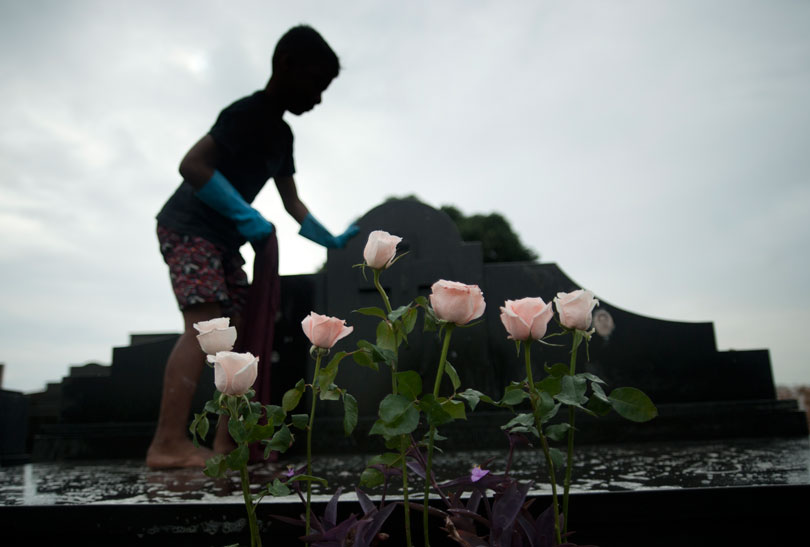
(557, 457)
(278, 489)
(498, 241)
(199, 426)
(452, 374)
(372, 311)
(522, 423)
(363, 358)
(398, 416)
(473, 397)
(386, 339)
(237, 430)
(546, 407)
(409, 384)
(633, 404)
(291, 398)
(350, 413)
(371, 477)
(557, 432)
(378, 354)
(393, 406)
(454, 408)
(572, 391)
(215, 467)
(238, 458)
(282, 439)
(435, 413)
(300, 421)
(513, 395)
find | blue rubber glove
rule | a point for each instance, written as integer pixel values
(314, 231)
(221, 196)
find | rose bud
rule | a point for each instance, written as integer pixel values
(234, 373)
(456, 302)
(380, 249)
(575, 308)
(215, 335)
(323, 331)
(526, 319)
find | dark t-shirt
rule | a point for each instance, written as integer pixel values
(254, 146)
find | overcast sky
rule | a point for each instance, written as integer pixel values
(656, 151)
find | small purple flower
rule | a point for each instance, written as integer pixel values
(290, 473)
(477, 473)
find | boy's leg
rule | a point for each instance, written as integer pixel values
(223, 443)
(171, 446)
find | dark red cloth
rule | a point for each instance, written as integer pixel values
(258, 322)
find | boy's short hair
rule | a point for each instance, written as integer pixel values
(305, 45)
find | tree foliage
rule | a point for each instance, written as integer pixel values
(499, 242)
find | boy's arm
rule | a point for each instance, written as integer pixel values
(198, 168)
(289, 197)
(310, 227)
(199, 162)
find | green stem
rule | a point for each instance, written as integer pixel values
(403, 450)
(571, 417)
(388, 310)
(432, 431)
(442, 360)
(255, 540)
(381, 291)
(552, 476)
(315, 390)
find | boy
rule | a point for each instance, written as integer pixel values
(207, 219)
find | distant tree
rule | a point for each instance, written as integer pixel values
(498, 241)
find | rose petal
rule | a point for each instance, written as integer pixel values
(216, 340)
(324, 331)
(211, 324)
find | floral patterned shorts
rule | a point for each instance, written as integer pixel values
(203, 272)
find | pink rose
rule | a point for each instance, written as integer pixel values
(234, 373)
(575, 308)
(526, 319)
(215, 335)
(380, 250)
(456, 302)
(323, 331)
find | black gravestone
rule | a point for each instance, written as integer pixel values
(434, 251)
(700, 392)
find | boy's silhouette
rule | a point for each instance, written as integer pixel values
(208, 218)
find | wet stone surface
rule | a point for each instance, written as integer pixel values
(643, 466)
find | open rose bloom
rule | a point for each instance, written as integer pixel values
(576, 308)
(456, 302)
(380, 250)
(216, 335)
(324, 331)
(526, 319)
(234, 373)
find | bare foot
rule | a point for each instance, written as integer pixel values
(176, 454)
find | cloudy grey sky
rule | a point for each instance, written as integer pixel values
(652, 149)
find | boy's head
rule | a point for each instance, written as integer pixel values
(303, 66)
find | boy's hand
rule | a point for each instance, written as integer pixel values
(344, 238)
(254, 227)
(314, 231)
(221, 196)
